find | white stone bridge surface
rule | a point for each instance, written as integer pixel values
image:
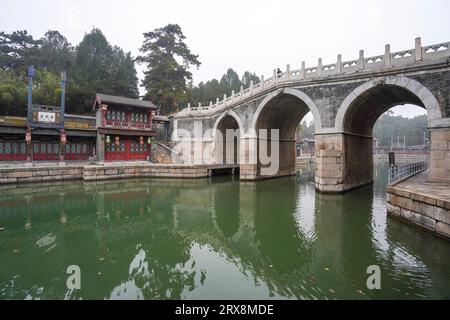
(345, 98)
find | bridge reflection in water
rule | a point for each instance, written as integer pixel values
(216, 238)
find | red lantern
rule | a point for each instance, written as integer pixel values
(117, 141)
(141, 140)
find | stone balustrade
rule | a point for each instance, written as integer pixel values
(364, 64)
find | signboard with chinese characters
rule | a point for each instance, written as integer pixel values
(46, 117)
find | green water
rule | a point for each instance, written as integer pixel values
(208, 239)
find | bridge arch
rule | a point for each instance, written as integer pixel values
(305, 99)
(352, 149)
(282, 109)
(227, 148)
(396, 91)
(229, 113)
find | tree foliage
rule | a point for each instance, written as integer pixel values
(92, 66)
(388, 127)
(305, 130)
(392, 127)
(229, 82)
(168, 59)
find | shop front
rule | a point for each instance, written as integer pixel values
(127, 148)
(124, 128)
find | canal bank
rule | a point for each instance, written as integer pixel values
(21, 173)
(422, 203)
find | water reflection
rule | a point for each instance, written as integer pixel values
(219, 238)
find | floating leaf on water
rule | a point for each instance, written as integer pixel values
(327, 269)
(331, 290)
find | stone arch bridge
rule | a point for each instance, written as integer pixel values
(346, 98)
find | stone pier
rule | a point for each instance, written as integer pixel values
(343, 162)
(440, 155)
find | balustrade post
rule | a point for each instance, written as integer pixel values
(339, 64)
(303, 70)
(387, 56)
(361, 61)
(418, 50)
(319, 67)
(288, 72)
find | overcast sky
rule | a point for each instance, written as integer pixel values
(245, 35)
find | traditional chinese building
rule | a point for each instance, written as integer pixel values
(47, 133)
(124, 128)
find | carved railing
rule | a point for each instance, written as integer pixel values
(363, 64)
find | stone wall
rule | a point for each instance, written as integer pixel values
(103, 172)
(33, 174)
(402, 158)
(99, 172)
(428, 212)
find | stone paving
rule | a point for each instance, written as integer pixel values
(433, 190)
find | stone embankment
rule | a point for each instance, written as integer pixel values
(422, 203)
(102, 171)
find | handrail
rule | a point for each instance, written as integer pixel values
(399, 173)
